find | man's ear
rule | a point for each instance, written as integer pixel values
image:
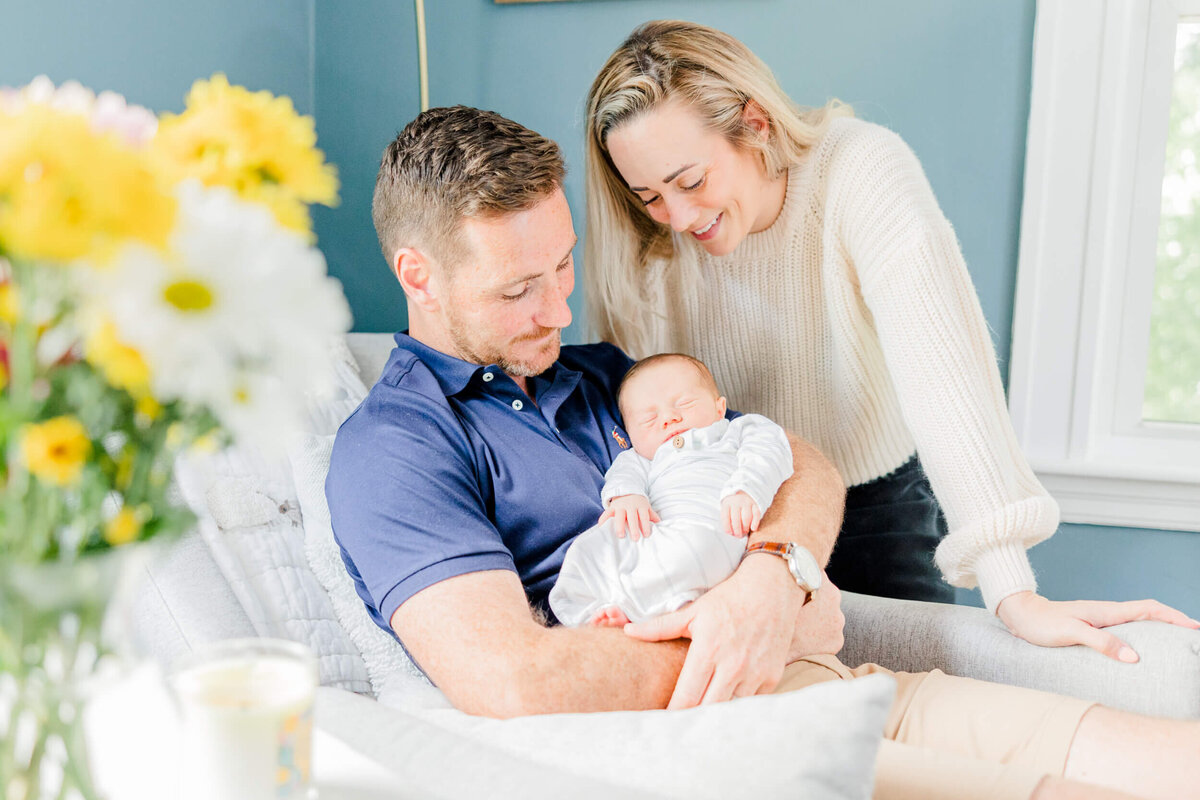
(756, 119)
(415, 274)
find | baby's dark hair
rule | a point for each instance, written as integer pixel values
(659, 358)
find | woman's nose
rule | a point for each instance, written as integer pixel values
(681, 213)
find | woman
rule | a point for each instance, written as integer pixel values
(801, 253)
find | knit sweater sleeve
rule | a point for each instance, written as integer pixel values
(941, 362)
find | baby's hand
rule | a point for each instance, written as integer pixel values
(630, 511)
(740, 515)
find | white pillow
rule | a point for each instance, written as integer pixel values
(249, 517)
(391, 672)
(818, 742)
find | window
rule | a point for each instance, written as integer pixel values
(1173, 356)
(1105, 378)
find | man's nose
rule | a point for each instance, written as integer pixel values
(554, 313)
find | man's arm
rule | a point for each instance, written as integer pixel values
(746, 629)
(811, 517)
(808, 507)
(475, 637)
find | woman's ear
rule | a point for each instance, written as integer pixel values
(756, 119)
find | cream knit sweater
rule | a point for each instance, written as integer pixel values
(852, 321)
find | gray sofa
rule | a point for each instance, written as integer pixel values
(187, 599)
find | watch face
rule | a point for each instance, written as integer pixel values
(805, 568)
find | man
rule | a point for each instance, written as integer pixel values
(456, 487)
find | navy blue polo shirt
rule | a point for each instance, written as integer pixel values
(448, 468)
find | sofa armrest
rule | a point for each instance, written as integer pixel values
(436, 763)
(911, 636)
(184, 601)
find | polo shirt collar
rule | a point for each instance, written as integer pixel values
(453, 374)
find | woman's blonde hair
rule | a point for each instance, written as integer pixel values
(717, 76)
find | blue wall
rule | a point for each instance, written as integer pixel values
(951, 77)
(960, 100)
(151, 52)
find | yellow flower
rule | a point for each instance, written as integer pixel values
(56, 450)
(206, 443)
(67, 192)
(124, 474)
(124, 527)
(10, 307)
(251, 142)
(122, 366)
(148, 409)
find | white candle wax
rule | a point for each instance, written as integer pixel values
(247, 726)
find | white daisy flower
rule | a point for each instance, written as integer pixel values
(238, 317)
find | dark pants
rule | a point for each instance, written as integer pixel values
(892, 526)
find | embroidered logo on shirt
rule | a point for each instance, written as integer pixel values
(621, 440)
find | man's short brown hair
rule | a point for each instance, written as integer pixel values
(451, 164)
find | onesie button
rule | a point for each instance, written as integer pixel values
(517, 405)
(487, 377)
(677, 442)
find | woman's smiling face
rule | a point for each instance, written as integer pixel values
(694, 179)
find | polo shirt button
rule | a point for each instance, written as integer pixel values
(517, 405)
(677, 442)
(487, 377)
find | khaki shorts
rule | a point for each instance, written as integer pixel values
(951, 738)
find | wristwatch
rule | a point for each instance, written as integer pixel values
(801, 563)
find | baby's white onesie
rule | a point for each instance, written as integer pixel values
(688, 552)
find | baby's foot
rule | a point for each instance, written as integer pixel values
(611, 617)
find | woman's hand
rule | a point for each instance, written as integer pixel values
(741, 632)
(1052, 623)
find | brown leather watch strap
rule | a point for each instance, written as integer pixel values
(775, 548)
(785, 551)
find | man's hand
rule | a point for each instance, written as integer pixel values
(820, 625)
(1051, 623)
(740, 515)
(632, 512)
(741, 631)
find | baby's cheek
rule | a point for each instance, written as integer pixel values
(643, 445)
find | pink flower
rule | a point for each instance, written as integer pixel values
(108, 112)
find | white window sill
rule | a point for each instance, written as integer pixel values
(1100, 495)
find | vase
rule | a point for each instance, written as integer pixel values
(53, 653)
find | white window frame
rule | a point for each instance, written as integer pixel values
(1102, 75)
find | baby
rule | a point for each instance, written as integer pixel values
(691, 490)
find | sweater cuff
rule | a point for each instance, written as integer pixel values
(1003, 570)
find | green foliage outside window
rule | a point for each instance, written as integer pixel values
(1173, 360)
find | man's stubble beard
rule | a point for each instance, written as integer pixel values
(467, 351)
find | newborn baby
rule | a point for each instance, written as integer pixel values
(678, 506)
